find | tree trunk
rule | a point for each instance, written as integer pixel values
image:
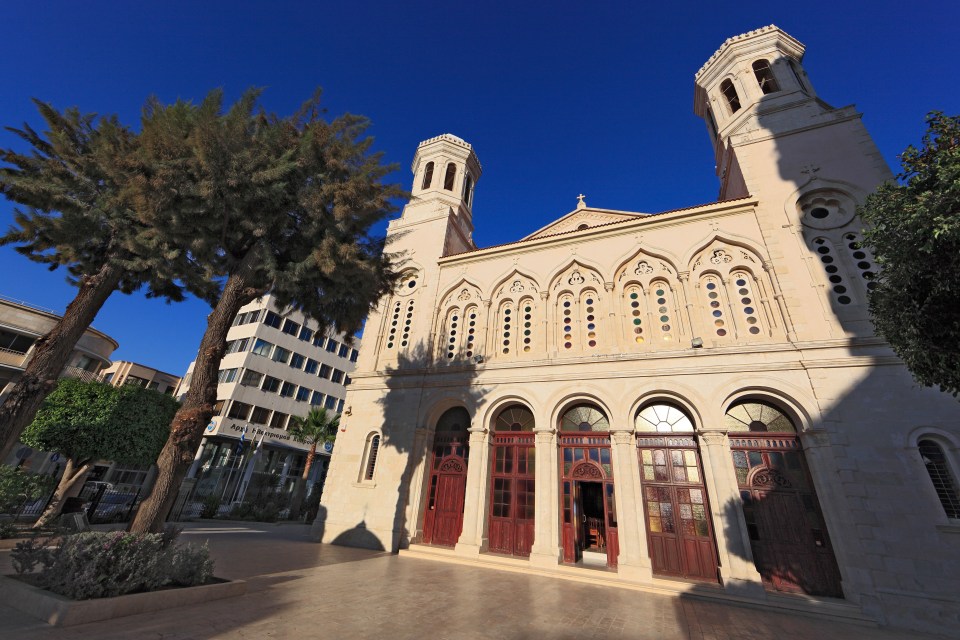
(298, 491)
(194, 414)
(51, 353)
(70, 485)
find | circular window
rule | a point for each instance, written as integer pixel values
(819, 213)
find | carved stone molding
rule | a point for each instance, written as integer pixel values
(712, 438)
(587, 470)
(452, 465)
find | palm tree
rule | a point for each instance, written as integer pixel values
(315, 428)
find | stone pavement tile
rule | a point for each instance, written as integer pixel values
(298, 588)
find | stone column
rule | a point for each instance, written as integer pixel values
(614, 339)
(421, 457)
(781, 303)
(633, 562)
(737, 569)
(687, 295)
(474, 500)
(549, 337)
(546, 536)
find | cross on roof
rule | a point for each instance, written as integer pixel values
(580, 201)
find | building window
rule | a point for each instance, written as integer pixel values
(354, 354)
(332, 345)
(943, 481)
(730, 93)
(452, 333)
(270, 384)
(824, 250)
(337, 376)
(311, 366)
(317, 399)
(278, 420)
(288, 389)
(319, 340)
(566, 313)
(273, 320)
(427, 176)
(251, 378)
(346, 381)
(246, 318)
(448, 178)
(330, 403)
(743, 293)
(291, 328)
(525, 310)
(373, 450)
(467, 190)
(218, 407)
(507, 331)
(861, 259)
(281, 355)
(296, 361)
(715, 306)
(227, 375)
(306, 334)
(259, 415)
(765, 78)
(633, 301)
(109, 376)
(340, 405)
(325, 371)
(344, 351)
(239, 410)
(394, 321)
(238, 346)
(303, 394)
(584, 417)
(588, 307)
(262, 347)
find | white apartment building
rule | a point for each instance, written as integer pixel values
(276, 366)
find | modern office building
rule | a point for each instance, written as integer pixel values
(21, 325)
(277, 366)
(692, 400)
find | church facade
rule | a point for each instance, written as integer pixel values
(690, 400)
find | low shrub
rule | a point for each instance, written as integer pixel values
(210, 506)
(104, 564)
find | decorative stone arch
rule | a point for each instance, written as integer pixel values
(680, 397)
(788, 398)
(504, 286)
(587, 470)
(493, 408)
(718, 96)
(410, 271)
(561, 278)
(816, 183)
(439, 402)
(913, 438)
(589, 395)
(736, 252)
(465, 290)
(649, 261)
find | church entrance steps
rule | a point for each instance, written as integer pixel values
(812, 606)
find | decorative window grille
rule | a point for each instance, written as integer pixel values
(824, 250)
(525, 310)
(373, 450)
(943, 482)
(565, 307)
(507, 324)
(470, 317)
(453, 331)
(394, 325)
(633, 307)
(407, 323)
(861, 259)
(589, 305)
(662, 304)
(742, 292)
(713, 287)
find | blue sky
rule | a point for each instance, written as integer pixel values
(558, 98)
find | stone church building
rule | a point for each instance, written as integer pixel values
(684, 401)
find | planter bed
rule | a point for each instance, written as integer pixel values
(59, 611)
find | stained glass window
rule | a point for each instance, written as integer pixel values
(584, 417)
(515, 418)
(757, 416)
(663, 418)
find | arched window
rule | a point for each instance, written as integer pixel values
(507, 328)
(467, 190)
(373, 450)
(663, 418)
(448, 177)
(716, 305)
(662, 305)
(943, 482)
(452, 332)
(584, 417)
(427, 176)
(470, 318)
(565, 306)
(743, 294)
(796, 75)
(514, 418)
(765, 77)
(860, 258)
(730, 93)
(633, 297)
(394, 325)
(824, 249)
(588, 306)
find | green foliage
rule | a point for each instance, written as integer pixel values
(18, 486)
(105, 564)
(75, 187)
(289, 202)
(315, 428)
(210, 506)
(95, 421)
(914, 233)
(263, 501)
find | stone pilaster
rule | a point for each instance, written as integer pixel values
(633, 562)
(546, 537)
(471, 539)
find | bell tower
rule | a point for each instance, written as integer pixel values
(762, 112)
(445, 173)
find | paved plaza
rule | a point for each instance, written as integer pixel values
(300, 589)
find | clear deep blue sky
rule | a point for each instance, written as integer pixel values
(556, 97)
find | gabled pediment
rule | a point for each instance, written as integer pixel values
(583, 218)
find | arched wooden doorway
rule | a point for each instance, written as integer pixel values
(512, 508)
(679, 531)
(443, 519)
(589, 517)
(787, 532)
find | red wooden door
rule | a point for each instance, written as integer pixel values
(586, 458)
(787, 534)
(679, 532)
(512, 506)
(443, 519)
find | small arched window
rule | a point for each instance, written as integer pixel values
(943, 482)
(373, 449)
(515, 418)
(427, 176)
(730, 93)
(765, 78)
(467, 190)
(448, 177)
(584, 417)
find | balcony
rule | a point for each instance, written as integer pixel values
(80, 374)
(12, 358)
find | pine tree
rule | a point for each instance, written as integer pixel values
(74, 187)
(274, 204)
